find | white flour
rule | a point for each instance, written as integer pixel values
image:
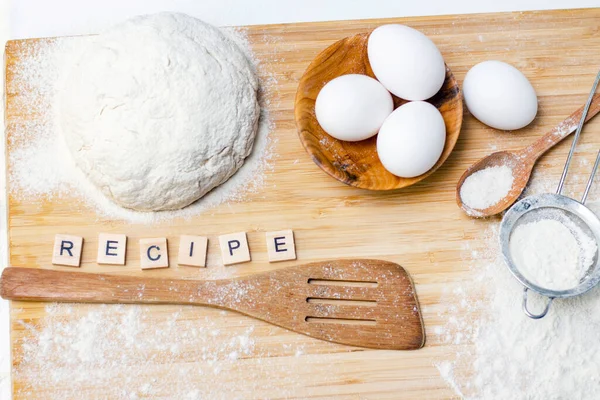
(128, 352)
(486, 187)
(552, 254)
(502, 354)
(41, 166)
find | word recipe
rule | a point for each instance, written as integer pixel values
(112, 249)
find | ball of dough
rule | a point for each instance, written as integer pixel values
(159, 110)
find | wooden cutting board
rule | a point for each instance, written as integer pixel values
(419, 227)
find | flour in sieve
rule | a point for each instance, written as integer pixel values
(552, 253)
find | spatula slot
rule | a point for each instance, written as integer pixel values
(340, 321)
(339, 282)
(341, 302)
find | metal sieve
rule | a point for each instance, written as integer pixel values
(551, 206)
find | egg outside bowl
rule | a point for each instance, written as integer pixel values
(357, 163)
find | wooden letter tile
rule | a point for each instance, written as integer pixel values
(111, 248)
(234, 248)
(67, 250)
(192, 250)
(280, 245)
(153, 253)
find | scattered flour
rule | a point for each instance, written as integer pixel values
(552, 255)
(192, 353)
(80, 351)
(40, 163)
(485, 188)
(500, 353)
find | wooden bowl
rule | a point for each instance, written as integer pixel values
(357, 163)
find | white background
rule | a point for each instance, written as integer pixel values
(32, 18)
(38, 18)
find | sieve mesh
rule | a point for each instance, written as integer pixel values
(576, 226)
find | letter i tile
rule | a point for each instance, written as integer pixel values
(192, 250)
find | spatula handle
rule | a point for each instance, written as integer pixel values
(561, 131)
(33, 284)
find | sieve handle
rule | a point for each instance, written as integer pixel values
(529, 313)
(591, 179)
(577, 133)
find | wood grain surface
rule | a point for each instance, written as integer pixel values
(419, 227)
(357, 163)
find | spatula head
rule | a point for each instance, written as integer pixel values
(366, 303)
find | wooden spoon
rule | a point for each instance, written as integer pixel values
(522, 161)
(366, 303)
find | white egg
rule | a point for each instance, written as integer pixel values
(406, 62)
(499, 95)
(411, 139)
(353, 107)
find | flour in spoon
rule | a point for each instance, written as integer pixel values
(487, 187)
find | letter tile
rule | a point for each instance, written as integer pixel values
(280, 245)
(111, 248)
(153, 253)
(192, 250)
(67, 250)
(234, 248)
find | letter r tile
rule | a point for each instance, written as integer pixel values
(153, 253)
(67, 250)
(234, 248)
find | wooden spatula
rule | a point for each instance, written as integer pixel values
(366, 303)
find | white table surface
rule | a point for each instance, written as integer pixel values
(39, 18)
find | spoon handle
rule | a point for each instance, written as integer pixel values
(535, 150)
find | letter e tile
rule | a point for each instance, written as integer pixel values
(111, 248)
(280, 245)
